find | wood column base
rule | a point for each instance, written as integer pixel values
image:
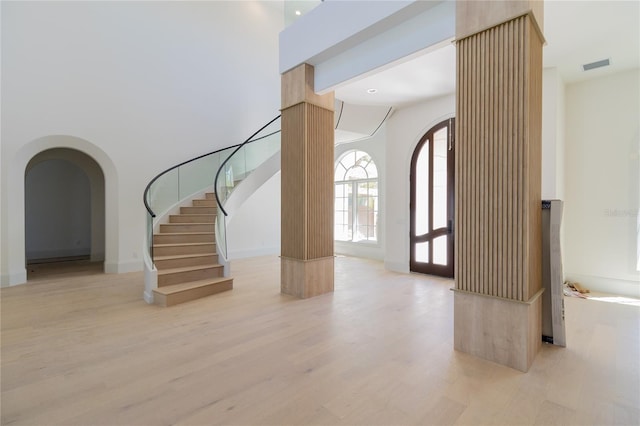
(503, 331)
(306, 278)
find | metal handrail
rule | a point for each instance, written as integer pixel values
(250, 140)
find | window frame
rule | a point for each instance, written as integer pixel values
(355, 196)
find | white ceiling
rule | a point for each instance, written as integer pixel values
(577, 32)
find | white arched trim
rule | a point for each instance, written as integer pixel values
(13, 218)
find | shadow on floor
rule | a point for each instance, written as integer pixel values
(59, 268)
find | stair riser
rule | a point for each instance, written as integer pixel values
(192, 218)
(210, 196)
(198, 210)
(187, 261)
(186, 227)
(188, 295)
(178, 239)
(178, 250)
(186, 276)
(204, 203)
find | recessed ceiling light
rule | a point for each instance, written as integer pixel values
(298, 13)
(372, 91)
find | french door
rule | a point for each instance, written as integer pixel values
(432, 201)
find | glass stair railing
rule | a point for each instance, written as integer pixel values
(219, 171)
(236, 167)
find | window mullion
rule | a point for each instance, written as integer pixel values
(354, 211)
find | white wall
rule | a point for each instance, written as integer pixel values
(404, 130)
(602, 183)
(553, 134)
(255, 227)
(58, 210)
(375, 146)
(139, 86)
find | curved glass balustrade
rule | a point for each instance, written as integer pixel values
(230, 165)
(239, 165)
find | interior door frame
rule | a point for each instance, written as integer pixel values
(430, 268)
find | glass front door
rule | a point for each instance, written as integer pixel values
(432, 202)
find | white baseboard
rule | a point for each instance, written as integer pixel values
(122, 267)
(606, 285)
(53, 254)
(359, 250)
(17, 278)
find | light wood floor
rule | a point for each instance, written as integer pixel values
(86, 350)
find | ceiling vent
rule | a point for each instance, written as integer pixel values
(596, 64)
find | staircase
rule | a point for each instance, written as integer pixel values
(185, 255)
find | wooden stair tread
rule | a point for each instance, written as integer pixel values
(188, 268)
(185, 233)
(183, 244)
(184, 256)
(188, 223)
(177, 288)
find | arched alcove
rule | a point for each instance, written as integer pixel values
(64, 207)
(95, 163)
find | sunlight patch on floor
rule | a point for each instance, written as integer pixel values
(616, 299)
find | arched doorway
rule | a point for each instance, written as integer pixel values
(64, 211)
(432, 202)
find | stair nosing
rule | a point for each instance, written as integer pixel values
(184, 256)
(185, 233)
(188, 269)
(183, 244)
(187, 223)
(190, 285)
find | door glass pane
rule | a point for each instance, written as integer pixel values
(440, 250)
(422, 191)
(440, 150)
(422, 252)
(367, 210)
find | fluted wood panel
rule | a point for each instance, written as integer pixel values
(320, 181)
(293, 211)
(498, 162)
(535, 156)
(307, 182)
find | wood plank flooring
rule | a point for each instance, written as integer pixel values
(84, 349)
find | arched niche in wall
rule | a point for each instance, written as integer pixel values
(64, 206)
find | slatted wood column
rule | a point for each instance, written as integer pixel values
(498, 181)
(307, 262)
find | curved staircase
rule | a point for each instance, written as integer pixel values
(185, 255)
(187, 258)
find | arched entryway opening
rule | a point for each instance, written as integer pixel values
(64, 213)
